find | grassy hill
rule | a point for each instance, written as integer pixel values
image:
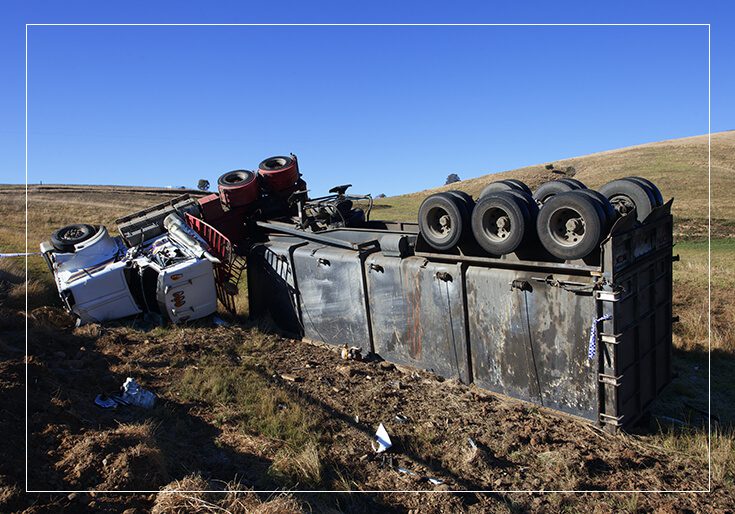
(677, 166)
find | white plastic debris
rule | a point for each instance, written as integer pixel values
(351, 353)
(383, 439)
(133, 394)
(435, 481)
(406, 471)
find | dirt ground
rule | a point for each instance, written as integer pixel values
(206, 431)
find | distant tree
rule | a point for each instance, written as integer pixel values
(203, 184)
(381, 195)
(452, 178)
(570, 170)
(549, 166)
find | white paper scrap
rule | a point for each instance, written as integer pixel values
(383, 439)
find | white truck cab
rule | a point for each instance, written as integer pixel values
(101, 278)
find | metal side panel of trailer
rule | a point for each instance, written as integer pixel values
(417, 313)
(512, 326)
(529, 337)
(331, 288)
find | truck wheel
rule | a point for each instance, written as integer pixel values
(279, 172)
(505, 185)
(66, 238)
(569, 225)
(549, 189)
(500, 222)
(442, 220)
(528, 201)
(573, 182)
(519, 185)
(238, 188)
(626, 195)
(467, 201)
(657, 196)
(610, 213)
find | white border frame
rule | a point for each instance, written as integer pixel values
(503, 491)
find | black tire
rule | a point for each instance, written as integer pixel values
(278, 162)
(66, 238)
(442, 220)
(625, 195)
(610, 213)
(500, 222)
(464, 197)
(497, 186)
(548, 189)
(569, 225)
(236, 178)
(528, 201)
(573, 182)
(657, 196)
(521, 185)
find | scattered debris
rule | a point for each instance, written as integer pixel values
(133, 394)
(291, 378)
(473, 444)
(351, 353)
(400, 418)
(406, 471)
(387, 366)
(383, 439)
(435, 481)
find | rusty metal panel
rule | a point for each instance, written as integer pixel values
(417, 313)
(272, 289)
(332, 295)
(529, 338)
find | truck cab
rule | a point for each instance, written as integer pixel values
(157, 265)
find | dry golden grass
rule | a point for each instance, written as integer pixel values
(183, 496)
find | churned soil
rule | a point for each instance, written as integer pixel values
(445, 436)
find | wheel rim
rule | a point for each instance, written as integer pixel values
(496, 224)
(439, 223)
(567, 227)
(622, 204)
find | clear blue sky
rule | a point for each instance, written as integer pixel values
(388, 109)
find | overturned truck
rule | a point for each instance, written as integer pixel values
(561, 297)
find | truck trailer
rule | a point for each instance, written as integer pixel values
(561, 296)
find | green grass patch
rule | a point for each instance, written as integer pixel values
(245, 395)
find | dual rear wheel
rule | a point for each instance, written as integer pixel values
(563, 216)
